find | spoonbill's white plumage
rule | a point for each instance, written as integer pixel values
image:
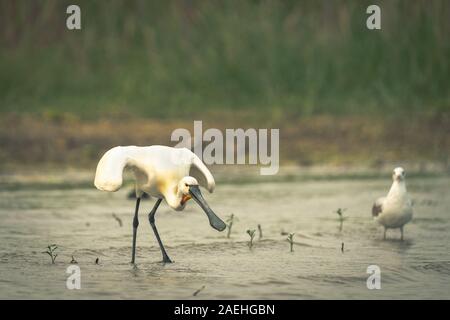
(172, 174)
(394, 210)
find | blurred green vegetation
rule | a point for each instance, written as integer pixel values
(185, 58)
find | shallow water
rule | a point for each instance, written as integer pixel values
(80, 222)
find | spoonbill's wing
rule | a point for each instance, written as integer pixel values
(378, 207)
(109, 174)
(200, 172)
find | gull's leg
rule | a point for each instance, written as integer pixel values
(151, 218)
(385, 229)
(135, 226)
(401, 232)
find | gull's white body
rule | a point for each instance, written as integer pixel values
(394, 210)
(396, 207)
(157, 169)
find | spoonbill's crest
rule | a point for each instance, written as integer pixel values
(172, 174)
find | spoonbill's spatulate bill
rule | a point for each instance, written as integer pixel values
(394, 210)
(172, 174)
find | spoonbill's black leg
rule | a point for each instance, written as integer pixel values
(401, 230)
(385, 229)
(135, 226)
(151, 218)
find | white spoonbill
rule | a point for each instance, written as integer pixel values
(173, 174)
(394, 210)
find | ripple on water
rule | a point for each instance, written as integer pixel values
(440, 267)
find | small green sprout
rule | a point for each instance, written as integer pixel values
(251, 233)
(340, 213)
(198, 291)
(51, 252)
(260, 235)
(290, 239)
(230, 221)
(119, 221)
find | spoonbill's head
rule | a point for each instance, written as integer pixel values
(185, 184)
(189, 188)
(398, 174)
